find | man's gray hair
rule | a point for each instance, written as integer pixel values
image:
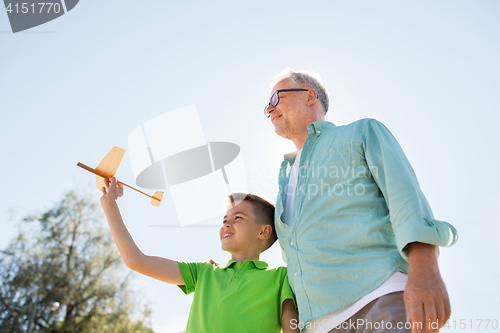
(305, 79)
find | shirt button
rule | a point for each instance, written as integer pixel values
(295, 274)
(291, 243)
(319, 132)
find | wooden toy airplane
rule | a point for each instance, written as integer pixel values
(107, 168)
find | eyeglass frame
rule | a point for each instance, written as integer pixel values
(277, 92)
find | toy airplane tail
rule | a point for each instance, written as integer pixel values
(156, 199)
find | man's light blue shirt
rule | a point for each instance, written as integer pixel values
(357, 205)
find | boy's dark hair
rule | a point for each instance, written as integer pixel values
(262, 209)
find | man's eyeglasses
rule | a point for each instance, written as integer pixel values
(275, 99)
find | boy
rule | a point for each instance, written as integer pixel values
(244, 296)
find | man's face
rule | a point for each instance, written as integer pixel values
(290, 116)
(239, 231)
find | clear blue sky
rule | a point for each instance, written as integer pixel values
(74, 87)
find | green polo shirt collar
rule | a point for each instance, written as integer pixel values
(255, 263)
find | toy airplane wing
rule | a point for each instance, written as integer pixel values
(107, 168)
(109, 165)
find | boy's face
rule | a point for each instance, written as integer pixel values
(240, 231)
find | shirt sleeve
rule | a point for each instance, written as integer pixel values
(410, 213)
(190, 272)
(285, 291)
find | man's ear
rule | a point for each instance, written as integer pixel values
(265, 232)
(312, 97)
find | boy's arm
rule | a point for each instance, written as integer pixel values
(162, 269)
(289, 317)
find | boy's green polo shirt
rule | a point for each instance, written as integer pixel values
(241, 297)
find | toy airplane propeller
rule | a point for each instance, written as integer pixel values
(107, 168)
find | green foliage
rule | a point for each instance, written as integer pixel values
(67, 255)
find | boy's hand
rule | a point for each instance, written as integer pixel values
(112, 191)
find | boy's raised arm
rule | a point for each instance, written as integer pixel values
(289, 317)
(159, 268)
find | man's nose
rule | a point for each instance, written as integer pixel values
(270, 109)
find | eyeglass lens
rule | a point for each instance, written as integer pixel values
(274, 98)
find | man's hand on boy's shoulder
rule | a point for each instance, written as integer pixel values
(215, 263)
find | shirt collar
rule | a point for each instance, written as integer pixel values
(290, 157)
(255, 263)
(315, 128)
(318, 127)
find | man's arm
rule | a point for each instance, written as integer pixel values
(414, 226)
(426, 298)
(410, 214)
(289, 317)
(162, 269)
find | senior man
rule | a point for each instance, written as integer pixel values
(358, 235)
